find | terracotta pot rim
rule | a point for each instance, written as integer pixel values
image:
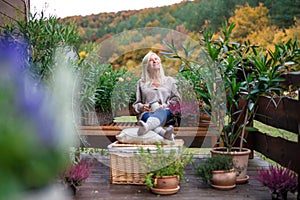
(167, 176)
(222, 150)
(223, 171)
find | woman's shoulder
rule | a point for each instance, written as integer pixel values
(141, 82)
(170, 79)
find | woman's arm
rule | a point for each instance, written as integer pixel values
(138, 104)
(173, 96)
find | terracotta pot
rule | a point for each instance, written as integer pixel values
(166, 185)
(223, 179)
(167, 182)
(240, 161)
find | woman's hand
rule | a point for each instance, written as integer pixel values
(146, 108)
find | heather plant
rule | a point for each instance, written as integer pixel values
(279, 180)
(76, 173)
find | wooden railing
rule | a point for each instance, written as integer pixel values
(283, 113)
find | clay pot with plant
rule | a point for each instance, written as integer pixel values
(218, 171)
(246, 74)
(164, 168)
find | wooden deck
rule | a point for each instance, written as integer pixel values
(98, 185)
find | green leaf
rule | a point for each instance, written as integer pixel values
(250, 128)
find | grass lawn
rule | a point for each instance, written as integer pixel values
(125, 119)
(276, 132)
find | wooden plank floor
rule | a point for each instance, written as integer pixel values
(98, 185)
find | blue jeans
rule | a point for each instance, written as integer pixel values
(163, 115)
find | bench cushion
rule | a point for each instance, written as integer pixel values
(129, 136)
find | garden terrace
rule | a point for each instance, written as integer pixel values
(98, 185)
(285, 114)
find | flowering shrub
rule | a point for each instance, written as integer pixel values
(76, 173)
(114, 89)
(124, 91)
(278, 179)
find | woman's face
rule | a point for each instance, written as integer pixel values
(154, 62)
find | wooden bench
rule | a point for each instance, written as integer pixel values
(102, 136)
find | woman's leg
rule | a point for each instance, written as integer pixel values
(155, 121)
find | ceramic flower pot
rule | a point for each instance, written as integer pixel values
(240, 161)
(223, 179)
(166, 185)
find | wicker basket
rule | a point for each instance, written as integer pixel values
(124, 168)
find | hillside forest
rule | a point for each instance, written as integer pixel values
(261, 22)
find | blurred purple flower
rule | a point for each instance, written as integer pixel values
(185, 108)
(174, 107)
(30, 99)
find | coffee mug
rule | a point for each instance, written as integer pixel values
(154, 106)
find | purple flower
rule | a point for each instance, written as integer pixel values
(185, 108)
(30, 99)
(174, 107)
(76, 173)
(278, 179)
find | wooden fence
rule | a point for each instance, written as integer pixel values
(12, 11)
(283, 113)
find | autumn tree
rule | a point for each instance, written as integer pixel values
(248, 20)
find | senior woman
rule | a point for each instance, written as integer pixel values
(155, 92)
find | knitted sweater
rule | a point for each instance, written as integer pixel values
(165, 94)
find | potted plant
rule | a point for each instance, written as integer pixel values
(164, 167)
(279, 180)
(218, 171)
(236, 75)
(247, 74)
(75, 174)
(115, 90)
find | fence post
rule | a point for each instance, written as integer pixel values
(298, 171)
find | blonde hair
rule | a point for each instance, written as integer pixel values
(145, 74)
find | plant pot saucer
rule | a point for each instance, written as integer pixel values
(165, 191)
(242, 180)
(223, 187)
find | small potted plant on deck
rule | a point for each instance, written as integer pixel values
(217, 170)
(164, 168)
(75, 174)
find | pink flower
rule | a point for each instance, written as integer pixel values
(76, 173)
(278, 179)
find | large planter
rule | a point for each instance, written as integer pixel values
(97, 118)
(166, 185)
(240, 161)
(105, 118)
(223, 179)
(89, 119)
